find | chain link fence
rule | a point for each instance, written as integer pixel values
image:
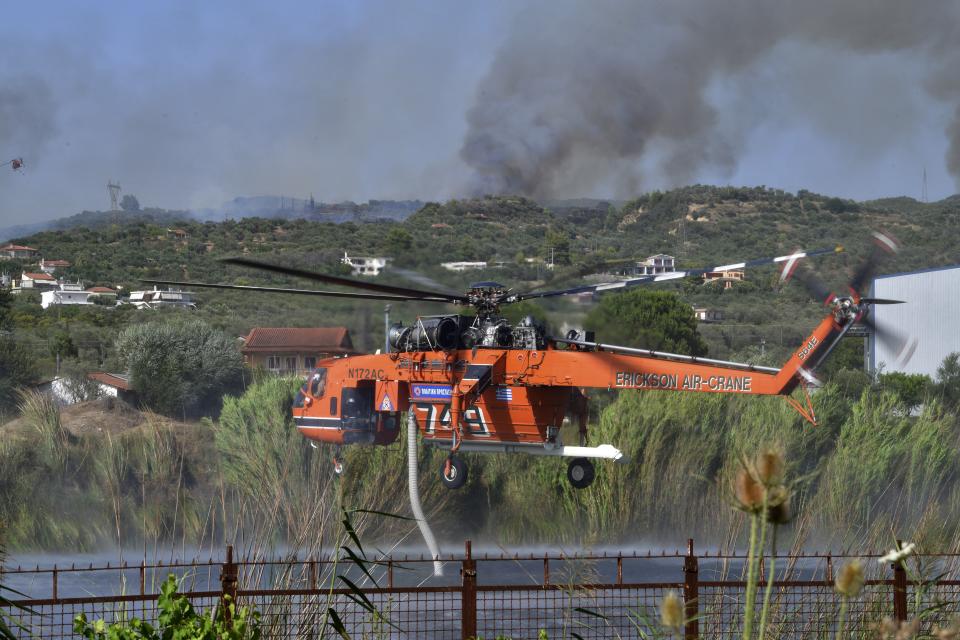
(483, 595)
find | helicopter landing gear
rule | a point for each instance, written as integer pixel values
(453, 473)
(580, 473)
(337, 463)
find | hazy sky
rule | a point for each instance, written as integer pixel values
(190, 104)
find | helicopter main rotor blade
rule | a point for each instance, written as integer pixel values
(901, 345)
(305, 292)
(424, 280)
(884, 244)
(408, 293)
(671, 275)
(814, 285)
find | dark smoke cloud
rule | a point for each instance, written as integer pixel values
(609, 92)
(27, 117)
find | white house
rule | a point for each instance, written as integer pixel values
(703, 314)
(67, 293)
(660, 263)
(156, 299)
(364, 266)
(463, 266)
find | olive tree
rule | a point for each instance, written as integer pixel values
(181, 368)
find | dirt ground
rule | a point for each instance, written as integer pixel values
(103, 415)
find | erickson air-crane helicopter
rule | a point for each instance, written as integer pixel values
(476, 382)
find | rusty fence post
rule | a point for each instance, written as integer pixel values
(691, 594)
(228, 586)
(468, 603)
(899, 588)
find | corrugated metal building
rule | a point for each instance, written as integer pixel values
(929, 319)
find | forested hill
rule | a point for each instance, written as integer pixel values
(700, 225)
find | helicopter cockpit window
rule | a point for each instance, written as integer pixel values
(318, 383)
(298, 400)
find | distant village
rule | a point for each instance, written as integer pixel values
(279, 350)
(55, 290)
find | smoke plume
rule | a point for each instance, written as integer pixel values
(607, 93)
(27, 117)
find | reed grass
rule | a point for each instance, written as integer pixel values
(249, 478)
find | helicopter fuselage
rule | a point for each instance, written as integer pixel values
(512, 396)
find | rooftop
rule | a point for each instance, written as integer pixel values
(323, 339)
(117, 380)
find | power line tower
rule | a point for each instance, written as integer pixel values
(114, 190)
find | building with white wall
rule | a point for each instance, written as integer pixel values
(68, 293)
(463, 266)
(364, 265)
(923, 328)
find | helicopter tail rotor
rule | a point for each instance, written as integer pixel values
(895, 341)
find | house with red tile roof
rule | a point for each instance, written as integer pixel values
(49, 266)
(102, 295)
(294, 350)
(114, 384)
(37, 281)
(18, 252)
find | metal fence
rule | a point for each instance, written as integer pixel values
(596, 595)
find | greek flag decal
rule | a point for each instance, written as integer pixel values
(505, 394)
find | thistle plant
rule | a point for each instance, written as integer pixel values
(671, 612)
(849, 584)
(760, 491)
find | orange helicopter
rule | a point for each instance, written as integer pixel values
(476, 382)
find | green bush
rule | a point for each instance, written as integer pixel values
(181, 368)
(178, 619)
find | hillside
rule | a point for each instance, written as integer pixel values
(250, 207)
(701, 225)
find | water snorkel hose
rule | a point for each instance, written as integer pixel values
(415, 506)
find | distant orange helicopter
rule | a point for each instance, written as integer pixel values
(476, 382)
(16, 164)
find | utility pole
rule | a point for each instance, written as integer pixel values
(114, 190)
(386, 329)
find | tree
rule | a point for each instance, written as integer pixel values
(181, 368)
(129, 202)
(6, 317)
(399, 243)
(62, 345)
(647, 319)
(556, 247)
(910, 388)
(16, 370)
(948, 380)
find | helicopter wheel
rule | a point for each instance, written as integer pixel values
(338, 466)
(580, 473)
(455, 475)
